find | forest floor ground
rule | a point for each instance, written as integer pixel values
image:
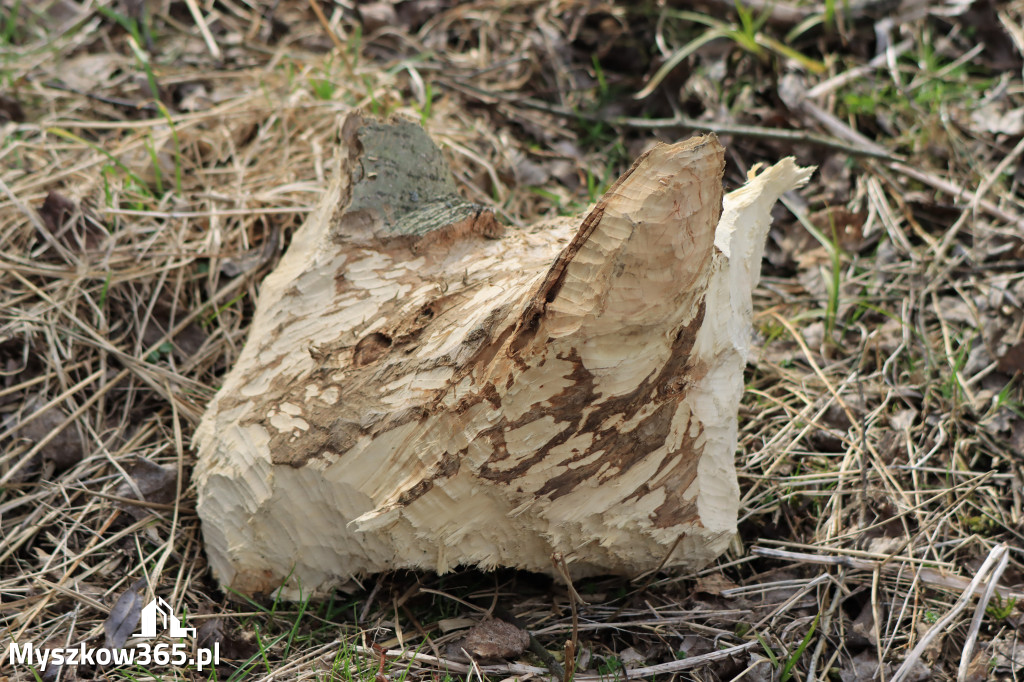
(156, 157)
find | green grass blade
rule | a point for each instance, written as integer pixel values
(68, 135)
(787, 672)
(676, 59)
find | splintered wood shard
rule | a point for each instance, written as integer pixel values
(419, 390)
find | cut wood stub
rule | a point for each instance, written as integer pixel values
(421, 390)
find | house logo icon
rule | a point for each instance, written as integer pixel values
(158, 609)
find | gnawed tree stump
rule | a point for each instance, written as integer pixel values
(420, 390)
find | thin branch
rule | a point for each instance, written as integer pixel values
(996, 556)
(979, 615)
(679, 121)
(929, 576)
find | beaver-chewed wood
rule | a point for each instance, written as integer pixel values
(423, 389)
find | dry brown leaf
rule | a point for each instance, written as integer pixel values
(714, 584)
(60, 454)
(155, 483)
(1012, 361)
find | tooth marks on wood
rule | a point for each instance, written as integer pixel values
(421, 390)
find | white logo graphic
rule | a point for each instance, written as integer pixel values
(162, 653)
(158, 608)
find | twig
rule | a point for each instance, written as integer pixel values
(369, 602)
(939, 260)
(420, 629)
(686, 619)
(570, 659)
(520, 669)
(315, 5)
(113, 101)
(654, 571)
(979, 615)
(300, 661)
(448, 664)
(792, 601)
(677, 666)
(876, 616)
(839, 80)
(574, 597)
(996, 556)
(826, 624)
(211, 44)
(929, 576)
(679, 121)
(267, 210)
(27, 618)
(842, 130)
(478, 609)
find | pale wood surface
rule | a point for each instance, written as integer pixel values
(421, 389)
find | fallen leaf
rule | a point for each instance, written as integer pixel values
(631, 658)
(996, 119)
(529, 173)
(1002, 654)
(902, 420)
(185, 344)
(234, 645)
(760, 669)
(53, 672)
(862, 668)
(92, 72)
(955, 309)
(66, 221)
(375, 15)
(210, 632)
(1012, 361)
(62, 452)
(124, 615)
(979, 666)
(253, 258)
(56, 211)
(863, 633)
(10, 109)
(842, 225)
(836, 177)
(154, 482)
(714, 584)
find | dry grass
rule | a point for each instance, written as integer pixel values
(881, 434)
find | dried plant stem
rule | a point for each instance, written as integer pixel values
(197, 15)
(680, 121)
(930, 576)
(339, 46)
(996, 557)
(979, 613)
